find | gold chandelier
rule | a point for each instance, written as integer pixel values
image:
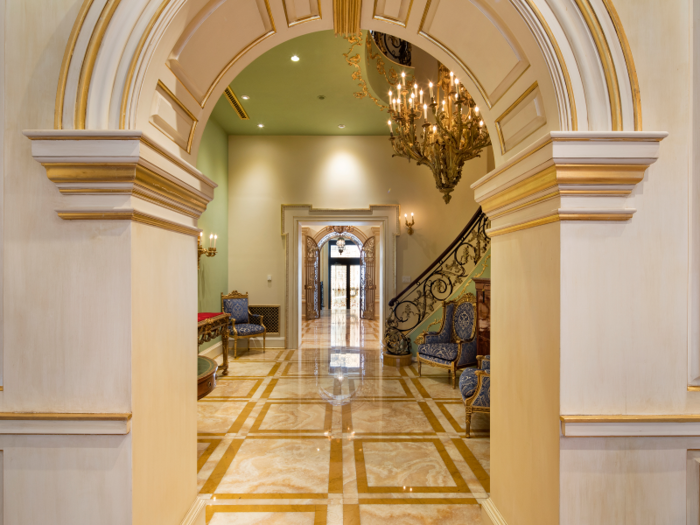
(456, 135)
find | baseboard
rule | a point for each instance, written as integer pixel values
(490, 514)
(197, 513)
(272, 343)
(213, 351)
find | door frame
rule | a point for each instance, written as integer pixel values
(386, 217)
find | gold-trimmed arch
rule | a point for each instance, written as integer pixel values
(125, 87)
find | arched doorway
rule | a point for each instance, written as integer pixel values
(126, 96)
(366, 271)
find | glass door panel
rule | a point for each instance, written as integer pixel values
(355, 287)
(339, 287)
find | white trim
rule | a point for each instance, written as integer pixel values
(196, 514)
(490, 514)
(66, 424)
(272, 343)
(631, 429)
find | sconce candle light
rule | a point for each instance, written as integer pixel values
(409, 225)
(201, 250)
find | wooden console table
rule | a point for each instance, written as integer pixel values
(211, 325)
(206, 376)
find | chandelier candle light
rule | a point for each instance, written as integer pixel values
(201, 250)
(455, 135)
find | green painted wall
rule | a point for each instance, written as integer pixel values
(213, 271)
(481, 270)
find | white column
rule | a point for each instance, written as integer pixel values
(554, 210)
(101, 401)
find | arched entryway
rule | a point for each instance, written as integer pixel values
(136, 87)
(312, 270)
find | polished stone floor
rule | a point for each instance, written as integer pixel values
(326, 434)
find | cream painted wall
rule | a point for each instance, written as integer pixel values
(331, 172)
(525, 369)
(163, 368)
(624, 348)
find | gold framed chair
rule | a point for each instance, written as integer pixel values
(475, 387)
(454, 345)
(244, 325)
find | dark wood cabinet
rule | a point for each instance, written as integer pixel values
(483, 316)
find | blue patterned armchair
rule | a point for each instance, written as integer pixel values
(454, 346)
(475, 387)
(244, 324)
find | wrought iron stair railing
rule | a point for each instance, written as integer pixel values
(436, 284)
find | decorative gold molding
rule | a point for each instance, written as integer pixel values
(54, 416)
(390, 19)
(309, 18)
(144, 183)
(127, 215)
(236, 58)
(89, 61)
(507, 112)
(657, 418)
(606, 60)
(575, 174)
(346, 17)
(369, 210)
(629, 62)
(693, 388)
(179, 104)
(191, 170)
(65, 64)
(558, 217)
(454, 56)
(560, 61)
(134, 61)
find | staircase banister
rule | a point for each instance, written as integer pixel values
(440, 257)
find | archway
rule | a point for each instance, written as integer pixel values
(129, 117)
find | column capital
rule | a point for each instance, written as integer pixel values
(568, 176)
(122, 175)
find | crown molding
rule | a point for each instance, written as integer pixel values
(104, 174)
(568, 176)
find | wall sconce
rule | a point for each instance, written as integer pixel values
(409, 225)
(201, 250)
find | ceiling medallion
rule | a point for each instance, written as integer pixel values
(456, 135)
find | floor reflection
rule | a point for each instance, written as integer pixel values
(327, 434)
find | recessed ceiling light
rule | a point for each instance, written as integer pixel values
(245, 97)
(261, 125)
(341, 126)
(295, 58)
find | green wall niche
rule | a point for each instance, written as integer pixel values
(213, 271)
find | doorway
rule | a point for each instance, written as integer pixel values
(344, 276)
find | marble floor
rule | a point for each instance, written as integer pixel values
(325, 434)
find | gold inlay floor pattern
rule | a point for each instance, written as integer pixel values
(325, 434)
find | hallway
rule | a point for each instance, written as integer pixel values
(327, 435)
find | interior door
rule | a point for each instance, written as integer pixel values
(313, 305)
(367, 280)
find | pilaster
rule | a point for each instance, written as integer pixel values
(554, 210)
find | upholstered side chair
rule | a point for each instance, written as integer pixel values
(244, 324)
(454, 345)
(475, 387)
